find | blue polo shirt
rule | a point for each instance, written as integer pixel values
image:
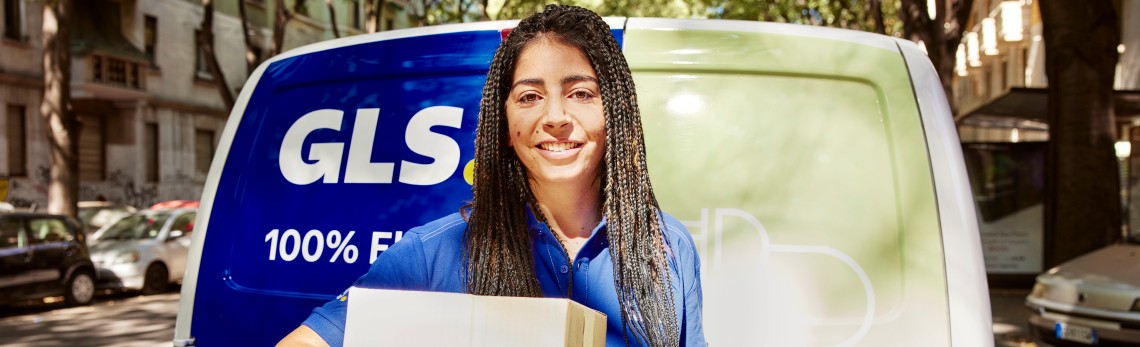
(428, 258)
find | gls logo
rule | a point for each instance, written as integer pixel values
(326, 156)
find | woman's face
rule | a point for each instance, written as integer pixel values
(555, 115)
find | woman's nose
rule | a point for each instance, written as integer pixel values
(556, 116)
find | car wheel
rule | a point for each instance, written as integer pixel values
(156, 279)
(80, 288)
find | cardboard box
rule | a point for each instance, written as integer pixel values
(408, 318)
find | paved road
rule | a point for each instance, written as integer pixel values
(112, 320)
(1011, 327)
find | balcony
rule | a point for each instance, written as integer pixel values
(116, 72)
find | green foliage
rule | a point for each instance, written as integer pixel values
(517, 9)
(450, 11)
(850, 14)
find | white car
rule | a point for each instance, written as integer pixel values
(1091, 300)
(143, 251)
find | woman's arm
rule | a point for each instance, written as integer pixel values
(303, 336)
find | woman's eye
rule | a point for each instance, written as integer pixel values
(528, 98)
(582, 95)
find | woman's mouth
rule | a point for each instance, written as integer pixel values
(558, 146)
(559, 150)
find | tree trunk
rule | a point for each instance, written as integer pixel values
(280, 18)
(1082, 189)
(332, 19)
(370, 16)
(206, 42)
(63, 126)
(250, 55)
(876, 12)
(940, 35)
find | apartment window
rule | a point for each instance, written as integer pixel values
(116, 71)
(355, 13)
(203, 149)
(200, 67)
(92, 148)
(14, 19)
(17, 141)
(150, 151)
(150, 36)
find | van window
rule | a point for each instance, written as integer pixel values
(804, 183)
(11, 233)
(48, 230)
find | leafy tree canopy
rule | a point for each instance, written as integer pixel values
(850, 14)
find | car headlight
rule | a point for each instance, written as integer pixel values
(125, 258)
(1038, 291)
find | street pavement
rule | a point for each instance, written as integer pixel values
(119, 319)
(1011, 318)
(148, 321)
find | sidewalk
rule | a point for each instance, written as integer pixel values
(1010, 318)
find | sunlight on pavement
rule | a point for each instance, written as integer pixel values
(116, 320)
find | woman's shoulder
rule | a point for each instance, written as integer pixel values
(675, 230)
(678, 237)
(443, 231)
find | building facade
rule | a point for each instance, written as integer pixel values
(1001, 99)
(150, 112)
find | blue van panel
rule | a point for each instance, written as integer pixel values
(275, 248)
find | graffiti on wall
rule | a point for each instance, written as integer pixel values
(32, 192)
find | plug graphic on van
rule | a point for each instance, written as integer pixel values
(325, 158)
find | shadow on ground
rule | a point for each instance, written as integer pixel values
(112, 319)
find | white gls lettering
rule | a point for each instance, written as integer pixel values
(326, 156)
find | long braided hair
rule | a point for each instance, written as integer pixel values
(498, 242)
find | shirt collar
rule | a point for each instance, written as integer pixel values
(536, 225)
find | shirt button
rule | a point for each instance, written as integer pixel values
(564, 269)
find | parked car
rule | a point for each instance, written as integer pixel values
(143, 251)
(1091, 300)
(44, 255)
(96, 214)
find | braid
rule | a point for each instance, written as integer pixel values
(498, 243)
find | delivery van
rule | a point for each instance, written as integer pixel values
(818, 170)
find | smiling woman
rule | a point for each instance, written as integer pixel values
(557, 129)
(562, 205)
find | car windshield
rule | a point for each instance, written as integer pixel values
(136, 226)
(100, 216)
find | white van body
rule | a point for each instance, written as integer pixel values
(819, 171)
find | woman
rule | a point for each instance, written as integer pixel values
(562, 202)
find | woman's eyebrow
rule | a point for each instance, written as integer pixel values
(532, 81)
(578, 78)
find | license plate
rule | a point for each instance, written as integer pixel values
(1075, 333)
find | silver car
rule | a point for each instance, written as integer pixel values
(1091, 300)
(143, 251)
